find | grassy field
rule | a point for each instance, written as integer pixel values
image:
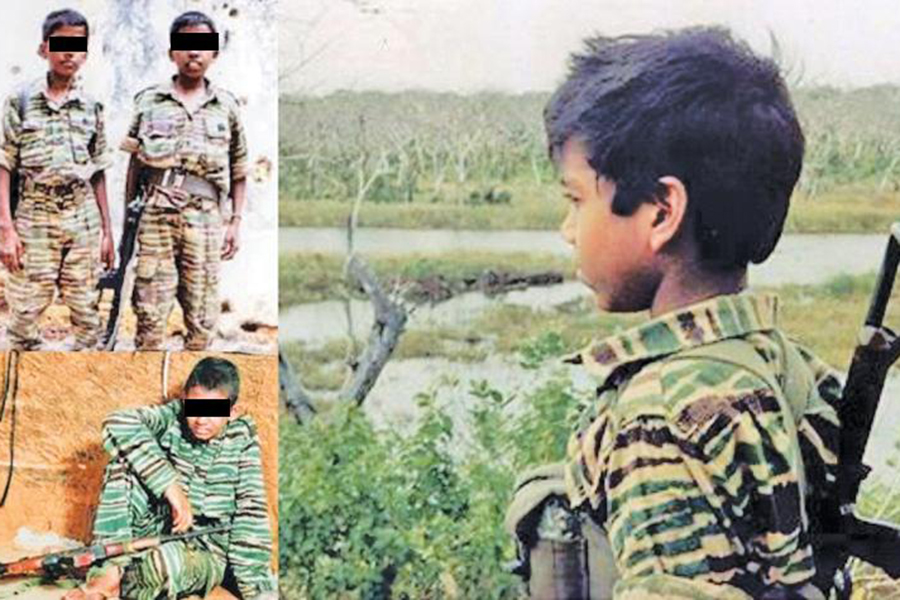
(848, 209)
(428, 160)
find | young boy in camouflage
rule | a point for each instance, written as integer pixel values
(53, 137)
(188, 151)
(710, 432)
(169, 472)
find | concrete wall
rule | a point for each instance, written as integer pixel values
(61, 402)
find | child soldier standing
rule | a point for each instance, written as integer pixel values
(711, 432)
(188, 150)
(53, 138)
(170, 472)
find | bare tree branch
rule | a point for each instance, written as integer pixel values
(390, 320)
(295, 398)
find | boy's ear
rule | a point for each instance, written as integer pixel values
(671, 208)
(42, 49)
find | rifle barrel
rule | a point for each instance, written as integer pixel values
(56, 564)
(885, 281)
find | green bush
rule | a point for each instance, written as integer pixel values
(367, 513)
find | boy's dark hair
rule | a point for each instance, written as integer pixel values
(697, 105)
(192, 18)
(63, 18)
(216, 374)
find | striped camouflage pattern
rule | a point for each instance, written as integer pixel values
(55, 142)
(223, 480)
(61, 237)
(209, 143)
(172, 570)
(178, 256)
(179, 250)
(859, 580)
(685, 463)
(55, 145)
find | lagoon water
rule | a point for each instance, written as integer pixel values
(798, 258)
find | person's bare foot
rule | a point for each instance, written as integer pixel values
(104, 587)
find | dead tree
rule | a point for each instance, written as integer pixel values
(390, 321)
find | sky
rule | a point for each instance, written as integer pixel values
(522, 45)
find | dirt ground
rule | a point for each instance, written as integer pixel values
(235, 334)
(55, 419)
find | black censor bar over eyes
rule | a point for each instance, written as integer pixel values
(208, 407)
(194, 41)
(61, 43)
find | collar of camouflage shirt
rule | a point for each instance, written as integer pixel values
(211, 90)
(702, 323)
(42, 86)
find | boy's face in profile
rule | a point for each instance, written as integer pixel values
(611, 251)
(193, 64)
(205, 429)
(64, 64)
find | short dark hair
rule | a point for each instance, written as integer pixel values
(694, 104)
(63, 18)
(192, 18)
(216, 374)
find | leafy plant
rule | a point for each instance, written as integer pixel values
(369, 513)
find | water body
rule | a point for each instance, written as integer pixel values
(798, 258)
(801, 259)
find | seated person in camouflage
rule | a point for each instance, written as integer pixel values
(188, 151)
(169, 473)
(53, 138)
(678, 154)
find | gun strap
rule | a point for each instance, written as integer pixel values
(10, 388)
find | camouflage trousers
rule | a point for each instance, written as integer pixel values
(61, 238)
(178, 256)
(174, 569)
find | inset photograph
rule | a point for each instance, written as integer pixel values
(138, 475)
(137, 177)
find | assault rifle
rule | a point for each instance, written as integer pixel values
(877, 349)
(121, 280)
(67, 563)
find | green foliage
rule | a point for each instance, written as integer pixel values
(534, 352)
(366, 513)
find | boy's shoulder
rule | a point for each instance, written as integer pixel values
(227, 98)
(688, 384)
(152, 93)
(242, 429)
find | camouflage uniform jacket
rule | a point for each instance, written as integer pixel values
(222, 479)
(208, 143)
(684, 461)
(55, 142)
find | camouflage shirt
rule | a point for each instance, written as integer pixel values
(208, 143)
(684, 462)
(222, 479)
(55, 140)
